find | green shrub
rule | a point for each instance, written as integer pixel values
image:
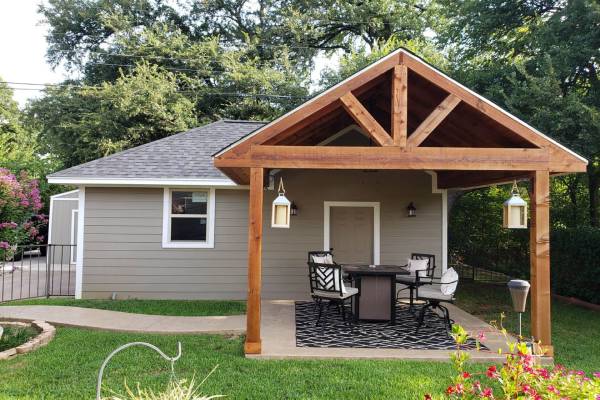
(575, 263)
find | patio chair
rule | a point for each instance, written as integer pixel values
(442, 291)
(422, 269)
(327, 285)
(328, 260)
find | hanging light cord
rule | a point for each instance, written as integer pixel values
(281, 189)
(515, 189)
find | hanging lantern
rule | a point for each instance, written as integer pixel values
(280, 214)
(411, 210)
(515, 211)
(293, 209)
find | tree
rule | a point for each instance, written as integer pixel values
(16, 142)
(83, 123)
(539, 59)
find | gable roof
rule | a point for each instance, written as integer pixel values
(185, 156)
(421, 67)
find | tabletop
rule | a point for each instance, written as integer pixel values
(365, 269)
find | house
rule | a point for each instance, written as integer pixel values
(188, 216)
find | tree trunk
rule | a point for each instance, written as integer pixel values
(593, 184)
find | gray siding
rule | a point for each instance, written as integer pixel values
(123, 227)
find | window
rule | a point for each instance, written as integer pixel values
(188, 218)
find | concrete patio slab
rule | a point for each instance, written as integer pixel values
(125, 322)
(279, 339)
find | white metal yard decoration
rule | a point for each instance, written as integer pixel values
(280, 214)
(125, 346)
(515, 210)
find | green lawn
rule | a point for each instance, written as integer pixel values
(67, 368)
(574, 329)
(155, 307)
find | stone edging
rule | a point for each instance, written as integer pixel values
(45, 335)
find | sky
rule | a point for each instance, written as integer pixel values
(23, 47)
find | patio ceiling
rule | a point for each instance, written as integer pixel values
(416, 118)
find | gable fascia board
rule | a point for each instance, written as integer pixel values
(125, 182)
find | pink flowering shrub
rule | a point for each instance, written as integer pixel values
(20, 203)
(519, 377)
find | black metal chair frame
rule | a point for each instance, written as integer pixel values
(434, 304)
(323, 279)
(413, 287)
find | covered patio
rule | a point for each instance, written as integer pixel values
(280, 340)
(381, 128)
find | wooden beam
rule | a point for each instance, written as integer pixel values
(391, 157)
(433, 120)
(400, 105)
(365, 120)
(255, 211)
(540, 260)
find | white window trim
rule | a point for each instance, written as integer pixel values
(376, 224)
(210, 225)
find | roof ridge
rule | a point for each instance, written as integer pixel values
(243, 121)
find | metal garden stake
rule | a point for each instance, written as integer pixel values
(163, 355)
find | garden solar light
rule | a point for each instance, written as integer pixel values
(518, 292)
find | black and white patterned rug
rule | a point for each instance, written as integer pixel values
(333, 332)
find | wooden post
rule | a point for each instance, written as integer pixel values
(255, 211)
(399, 105)
(540, 260)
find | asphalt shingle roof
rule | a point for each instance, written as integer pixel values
(183, 155)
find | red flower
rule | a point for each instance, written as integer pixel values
(466, 375)
(552, 389)
(450, 390)
(543, 372)
(487, 392)
(491, 372)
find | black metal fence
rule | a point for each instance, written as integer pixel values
(477, 274)
(38, 271)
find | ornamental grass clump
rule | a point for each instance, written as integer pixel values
(519, 377)
(176, 390)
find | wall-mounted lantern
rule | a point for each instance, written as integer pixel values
(280, 214)
(293, 209)
(515, 210)
(411, 210)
